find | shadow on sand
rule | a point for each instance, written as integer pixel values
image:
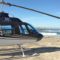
(30, 52)
(33, 50)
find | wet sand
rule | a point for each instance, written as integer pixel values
(46, 49)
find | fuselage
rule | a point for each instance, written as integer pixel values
(14, 31)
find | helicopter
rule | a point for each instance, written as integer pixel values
(14, 31)
(12, 28)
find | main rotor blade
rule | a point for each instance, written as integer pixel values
(9, 4)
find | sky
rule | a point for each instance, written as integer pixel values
(36, 19)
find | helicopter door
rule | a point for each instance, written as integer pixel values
(25, 35)
(23, 30)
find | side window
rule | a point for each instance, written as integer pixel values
(5, 30)
(23, 29)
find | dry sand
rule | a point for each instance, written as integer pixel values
(47, 49)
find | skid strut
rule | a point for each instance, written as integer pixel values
(22, 50)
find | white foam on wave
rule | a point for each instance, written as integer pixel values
(48, 34)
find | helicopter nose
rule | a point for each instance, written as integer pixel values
(39, 37)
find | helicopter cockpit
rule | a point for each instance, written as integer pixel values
(10, 26)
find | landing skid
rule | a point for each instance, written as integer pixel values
(23, 52)
(18, 51)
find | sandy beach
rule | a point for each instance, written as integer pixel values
(46, 49)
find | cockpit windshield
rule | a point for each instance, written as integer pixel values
(27, 29)
(31, 28)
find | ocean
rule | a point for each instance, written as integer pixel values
(49, 32)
